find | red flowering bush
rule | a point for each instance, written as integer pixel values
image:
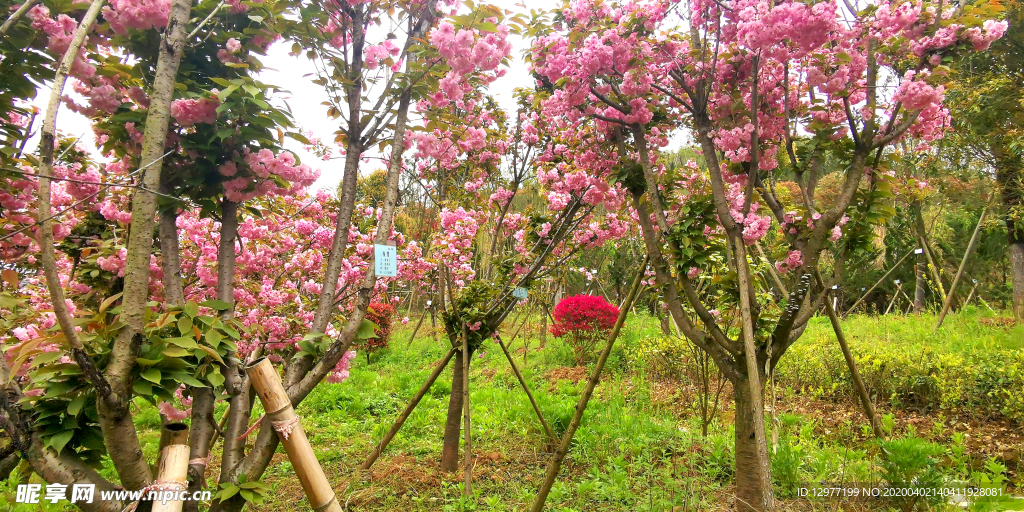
(383, 315)
(583, 320)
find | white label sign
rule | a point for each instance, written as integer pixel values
(520, 293)
(386, 260)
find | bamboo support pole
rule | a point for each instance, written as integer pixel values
(880, 280)
(408, 410)
(893, 301)
(971, 295)
(467, 462)
(171, 434)
(581, 405)
(960, 271)
(417, 329)
(283, 419)
(851, 363)
(522, 382)
(171, 477)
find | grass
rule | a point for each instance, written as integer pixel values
(640, 445)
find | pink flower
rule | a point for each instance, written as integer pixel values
(171, 413)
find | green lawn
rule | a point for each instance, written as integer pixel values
(640, 446)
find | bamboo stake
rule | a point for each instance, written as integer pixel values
(171, 434)
(894, 297)
(883, 278)
(960, 271)
(971, 295)
(171, 475)
(851, 363)
(408, 410)
(417, 329)
(467, 462)
(522, 382)
(581, 405)
(281, 416)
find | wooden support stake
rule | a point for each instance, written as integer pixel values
(170, 434)
(960, 271)
(171, 475)
(417, 329)
(282, 418)
(522, 382)
(408, 410)
(851, 363)
(883, 278)
(581, 405)
(894, 297)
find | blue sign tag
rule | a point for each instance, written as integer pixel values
(520, 293)
(385, 259)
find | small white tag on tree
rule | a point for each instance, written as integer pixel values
(385, 259)
(520, 293)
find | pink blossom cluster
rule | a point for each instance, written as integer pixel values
(190, 111)
(136, 14)
(59, 33)
(260, 166)
(454, 242)
(467, 52)
(501, 197)
(373, 55)
(793, 261)
(340, 371)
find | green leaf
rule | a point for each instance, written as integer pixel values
(60, 440)
(213, 353)
(183, 342)
(76, 405)
(219, 305)
(367, 330)
(214, 338)
(191, 309)
(223, 95)
(151, 374)
(226, 492)
(185, 325)
(214, 377)
(45, 358)
(176, 352)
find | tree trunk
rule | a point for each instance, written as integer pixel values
(170, 256)
(666, 329)
(200, 440)
(453, 424)
(749, 496)
(1010, 176)
(754, 385)
(119, 432)
(1017, 270)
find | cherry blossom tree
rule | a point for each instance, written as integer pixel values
(204, 155)
(765, 89)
